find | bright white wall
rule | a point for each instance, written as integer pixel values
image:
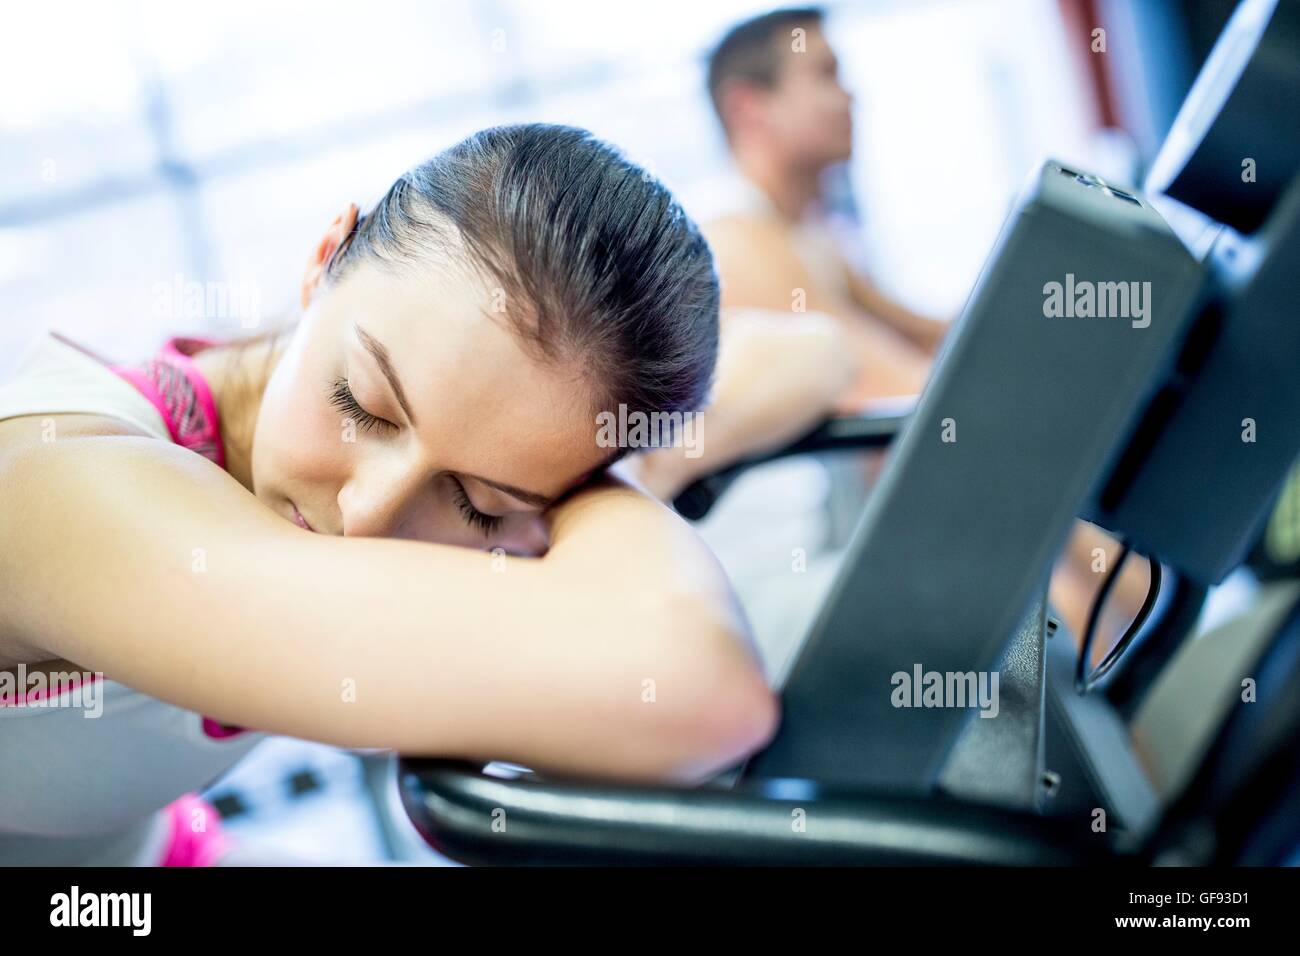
(284, 112)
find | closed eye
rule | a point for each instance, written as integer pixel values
(341, 397)
(488, 524)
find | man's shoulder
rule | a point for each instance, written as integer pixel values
(750, 233)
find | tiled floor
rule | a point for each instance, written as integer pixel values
(310, 804)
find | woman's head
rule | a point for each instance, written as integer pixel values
(461, 338)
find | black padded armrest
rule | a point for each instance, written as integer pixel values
(476, 818)
(848, 433)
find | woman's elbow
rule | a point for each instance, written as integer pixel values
(729, 713)
(741, 720)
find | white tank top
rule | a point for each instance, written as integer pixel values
(92, 762)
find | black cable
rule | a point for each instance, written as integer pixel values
(1083, 679)
(1116, 652)
(1094, 615)
(1169, 626)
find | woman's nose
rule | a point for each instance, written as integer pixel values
(383, 505)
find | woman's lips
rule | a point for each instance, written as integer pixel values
(299, 520)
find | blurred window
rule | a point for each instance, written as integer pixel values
(148, 143)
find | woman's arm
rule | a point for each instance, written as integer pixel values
(622, 652)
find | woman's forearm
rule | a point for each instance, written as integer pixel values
(613, 655)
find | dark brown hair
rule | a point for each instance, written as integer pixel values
(598, 262)
(750, 51)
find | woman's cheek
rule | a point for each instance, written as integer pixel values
(310, 440)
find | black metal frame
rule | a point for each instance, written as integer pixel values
(480, 819)
(846, 433)
(933, 785)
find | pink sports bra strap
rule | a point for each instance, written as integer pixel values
(176, 387)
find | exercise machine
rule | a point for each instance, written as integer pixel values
(1129, 357)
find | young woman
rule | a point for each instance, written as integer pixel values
(282, 560)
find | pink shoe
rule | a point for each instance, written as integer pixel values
(196, 835)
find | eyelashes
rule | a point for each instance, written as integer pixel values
(488, 524)
(341, 397)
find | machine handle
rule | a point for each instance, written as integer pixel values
(846, 433)
(475, 818)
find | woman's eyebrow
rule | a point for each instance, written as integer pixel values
(376, 348)
(532, 497)
(543, 501)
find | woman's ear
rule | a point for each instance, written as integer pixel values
(319, 260)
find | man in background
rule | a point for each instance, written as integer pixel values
(774, 83)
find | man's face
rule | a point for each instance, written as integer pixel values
(808, 112)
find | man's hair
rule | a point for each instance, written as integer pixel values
(750, 51)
